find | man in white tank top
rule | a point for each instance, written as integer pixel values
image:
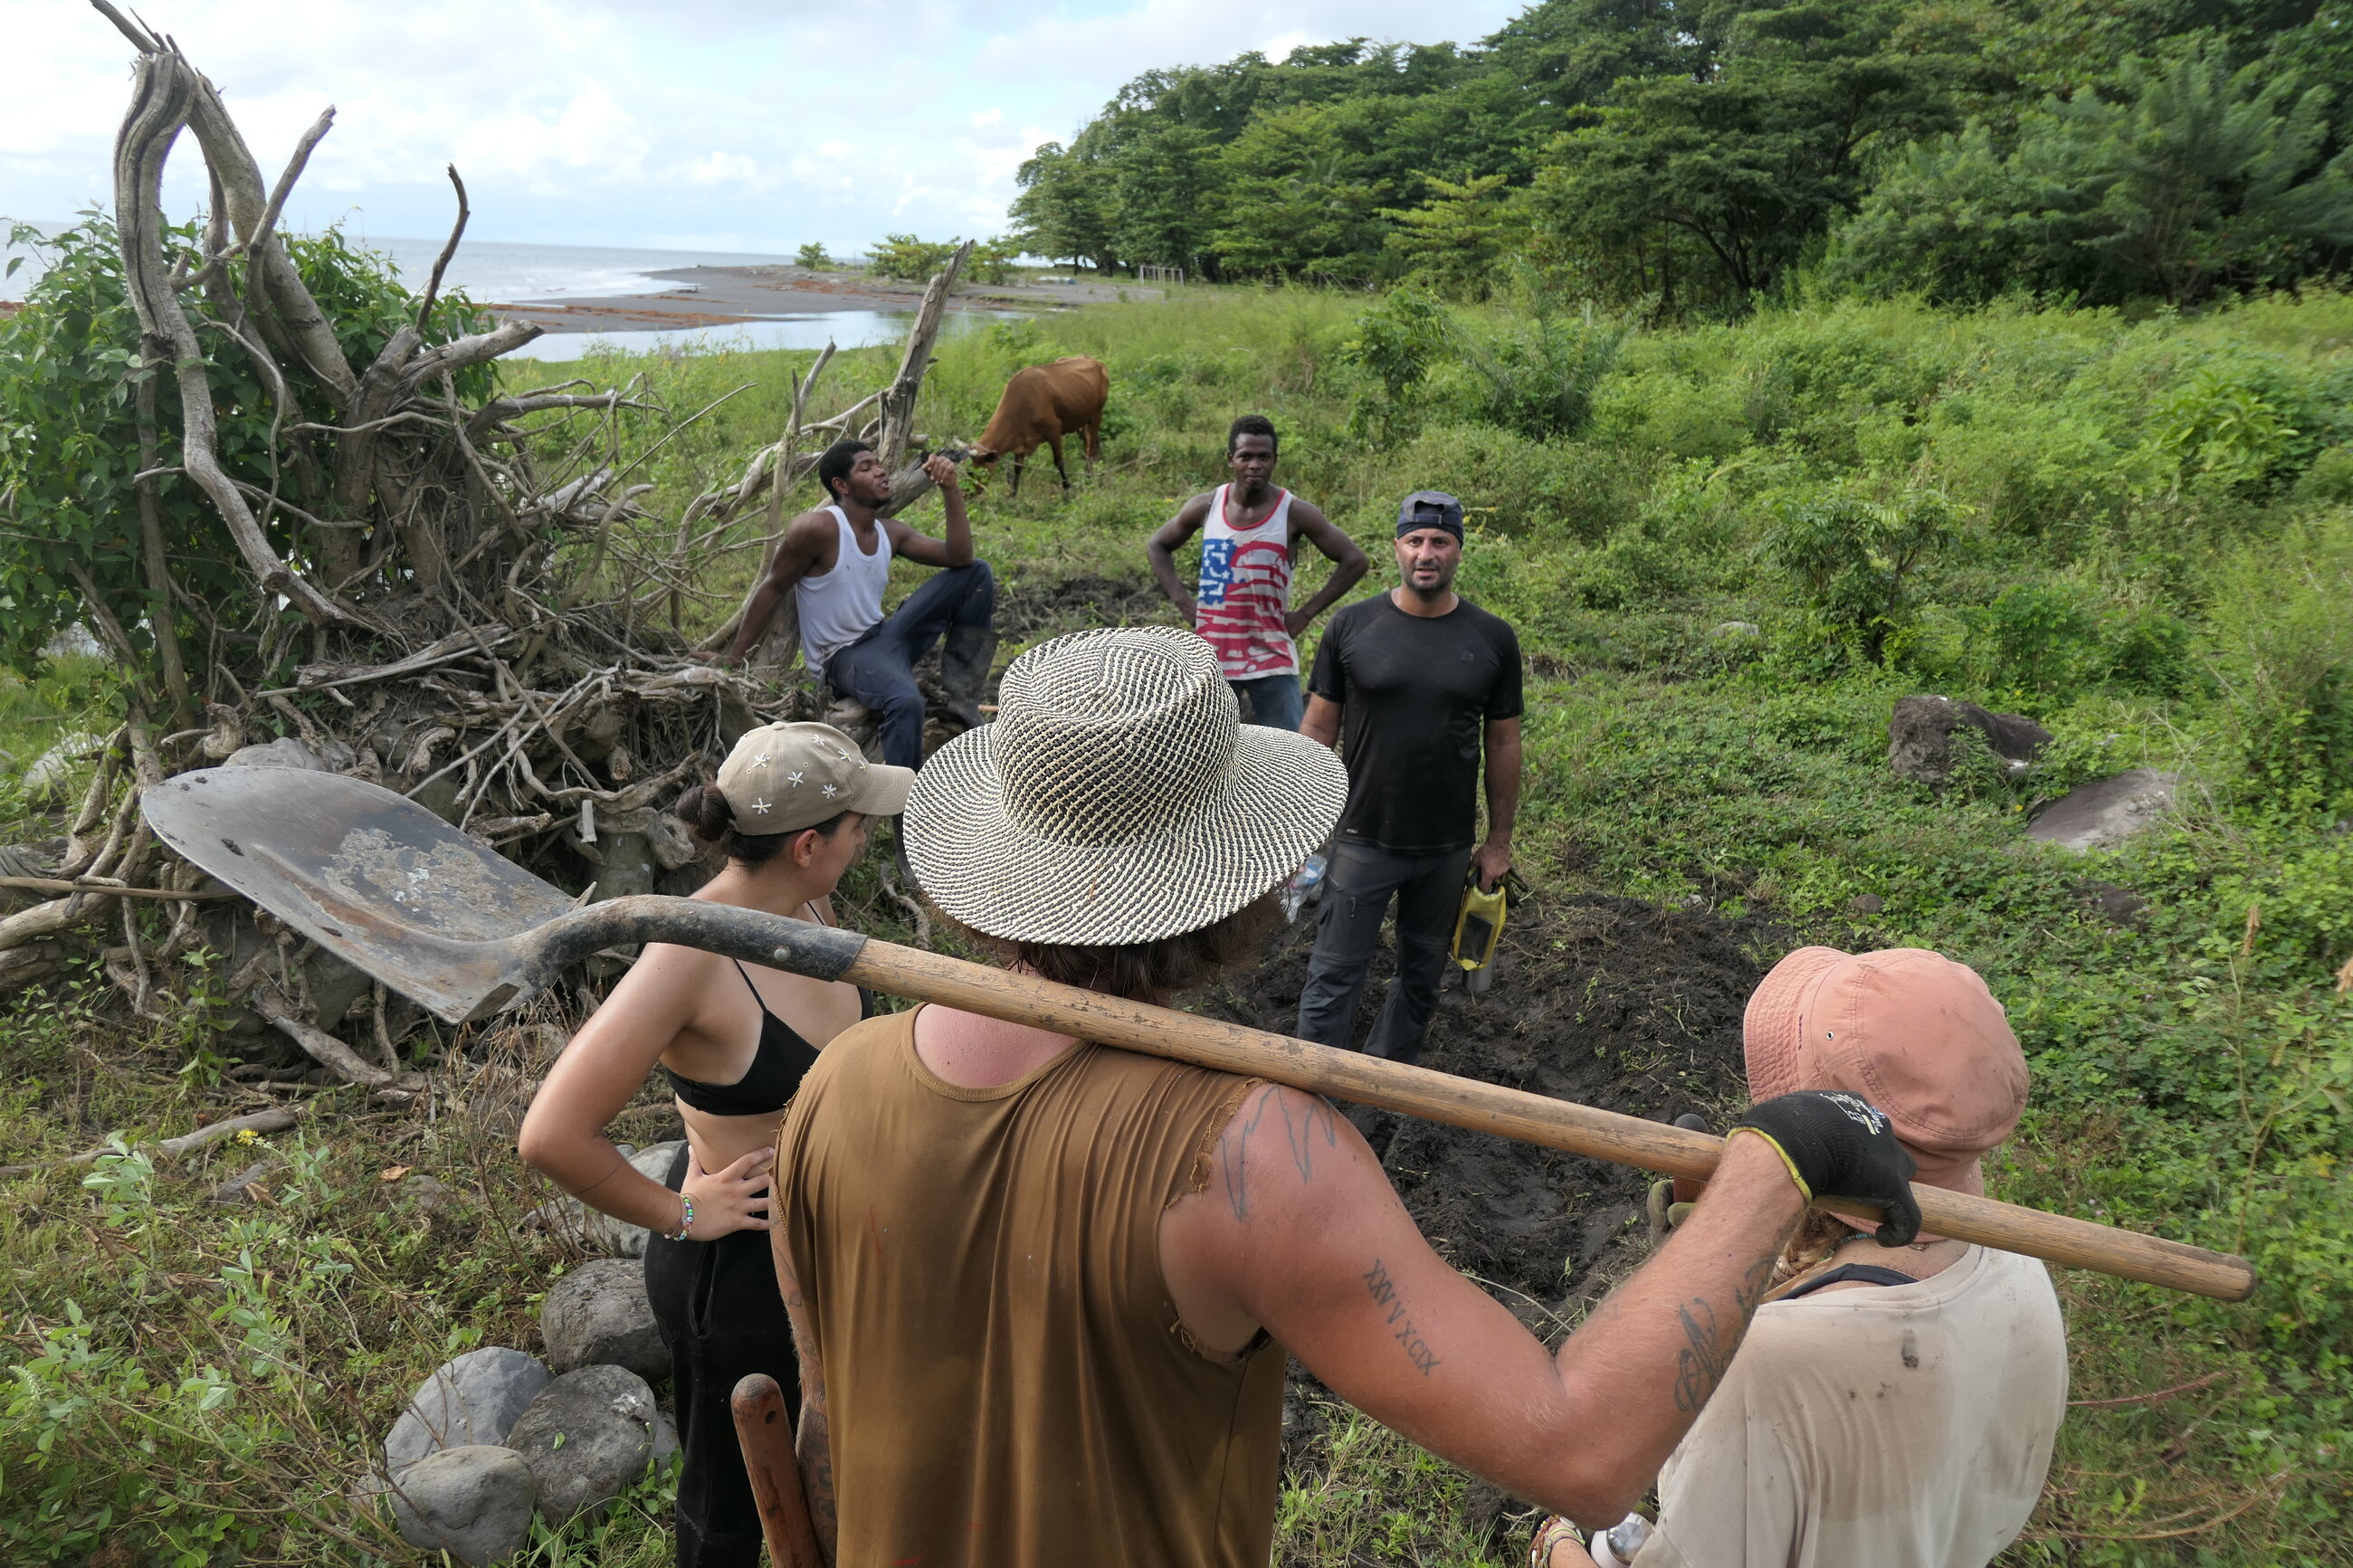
(1241, 605)
(836, 562)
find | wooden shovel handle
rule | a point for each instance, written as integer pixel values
(758, 1406)
(1507, 1112)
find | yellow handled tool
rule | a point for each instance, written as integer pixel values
(1478, 927)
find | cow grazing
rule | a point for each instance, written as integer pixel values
(1041, 404)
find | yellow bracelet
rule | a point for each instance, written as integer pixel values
(1775, 1143)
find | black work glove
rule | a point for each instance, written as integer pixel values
(1839, 1146)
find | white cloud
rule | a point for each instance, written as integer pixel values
(618, 122)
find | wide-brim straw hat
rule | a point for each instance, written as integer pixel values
(1913, 1032)
(1118, 798)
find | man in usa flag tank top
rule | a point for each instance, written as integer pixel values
(1241, 600)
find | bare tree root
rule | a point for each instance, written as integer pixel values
(455, 592)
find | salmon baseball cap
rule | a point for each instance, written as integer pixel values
(1910, 1031)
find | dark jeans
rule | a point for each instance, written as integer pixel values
(720, 1313)
(1356, 892)
(878, 669)
(1274, 701)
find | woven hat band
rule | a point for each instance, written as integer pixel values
(1109, 741)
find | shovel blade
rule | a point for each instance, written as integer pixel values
(370, 876)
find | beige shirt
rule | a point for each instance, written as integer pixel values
(1902, 1426)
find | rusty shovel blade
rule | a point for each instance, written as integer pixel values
(384, 884)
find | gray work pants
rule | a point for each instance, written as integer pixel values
(1357, 893)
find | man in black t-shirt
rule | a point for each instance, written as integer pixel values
(1410, 684)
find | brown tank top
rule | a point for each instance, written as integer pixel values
(1006, 1382)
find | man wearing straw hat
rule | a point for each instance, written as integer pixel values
(1893, 1406)
(1042, 1289)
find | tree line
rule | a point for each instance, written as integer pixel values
(1690, 155)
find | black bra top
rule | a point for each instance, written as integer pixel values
(778, 1068)
(1861, 1273)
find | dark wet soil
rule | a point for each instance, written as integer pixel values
(1610, 1002)
(1030, 611)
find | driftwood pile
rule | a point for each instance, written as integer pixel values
(477, 609)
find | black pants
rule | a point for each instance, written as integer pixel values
(1357, 889)
(723, 1318)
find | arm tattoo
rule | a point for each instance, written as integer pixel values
(1700, 1365)
(1383, 1292)
(1303, 1128)
(813, 1443)
(1706, 1354)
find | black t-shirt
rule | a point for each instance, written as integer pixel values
(1416, 694)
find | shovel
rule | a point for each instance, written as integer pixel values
(391, 888)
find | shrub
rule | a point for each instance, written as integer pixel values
(992, 261)
(902, 256)
(1538, 377)
(813, 256)
(1855, 560)
(2227, 427)
(2284, 652)
(1391, 349)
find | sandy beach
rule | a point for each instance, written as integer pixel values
(731, 296)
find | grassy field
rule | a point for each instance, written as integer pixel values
(2137, 532)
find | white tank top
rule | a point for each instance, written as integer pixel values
(837, 609)
(1244, 590)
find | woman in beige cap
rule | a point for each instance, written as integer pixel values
(1892, 1407)
(790, 812)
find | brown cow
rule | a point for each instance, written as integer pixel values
(1041, 404)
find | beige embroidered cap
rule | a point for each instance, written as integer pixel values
(1118, 798)
(781, 778)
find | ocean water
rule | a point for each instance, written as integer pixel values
(843, 329)
(502, 271)
(499, 271)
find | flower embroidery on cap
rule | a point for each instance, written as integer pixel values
(761, 761)
(830, 792)
(760, 805)
(793, 780)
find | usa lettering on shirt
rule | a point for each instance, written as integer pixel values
(1245, 591)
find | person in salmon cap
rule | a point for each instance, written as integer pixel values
(1890, 1405)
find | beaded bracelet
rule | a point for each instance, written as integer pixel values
(1553, 1533)
(685, 1219)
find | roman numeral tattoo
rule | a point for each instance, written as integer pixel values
(1383, 1292)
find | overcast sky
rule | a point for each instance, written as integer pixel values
(699, 124)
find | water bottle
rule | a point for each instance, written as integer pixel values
(1616, 1546)
(1306, 885)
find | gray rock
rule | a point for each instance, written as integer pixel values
(588, 1435)
(425, 1194)
(474, 1502)
(285, 752)
(597, 1315)
(2104, 814)
(601, 1232)
(1865, 904)
(2120, 907)
(1739, 630)
(666, 1441)
(1919, 737)
(238, 1189)
(473, 1400)
(50, 778)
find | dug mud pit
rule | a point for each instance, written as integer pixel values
(1610, 1002)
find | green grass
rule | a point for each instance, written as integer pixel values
(2150, 550)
